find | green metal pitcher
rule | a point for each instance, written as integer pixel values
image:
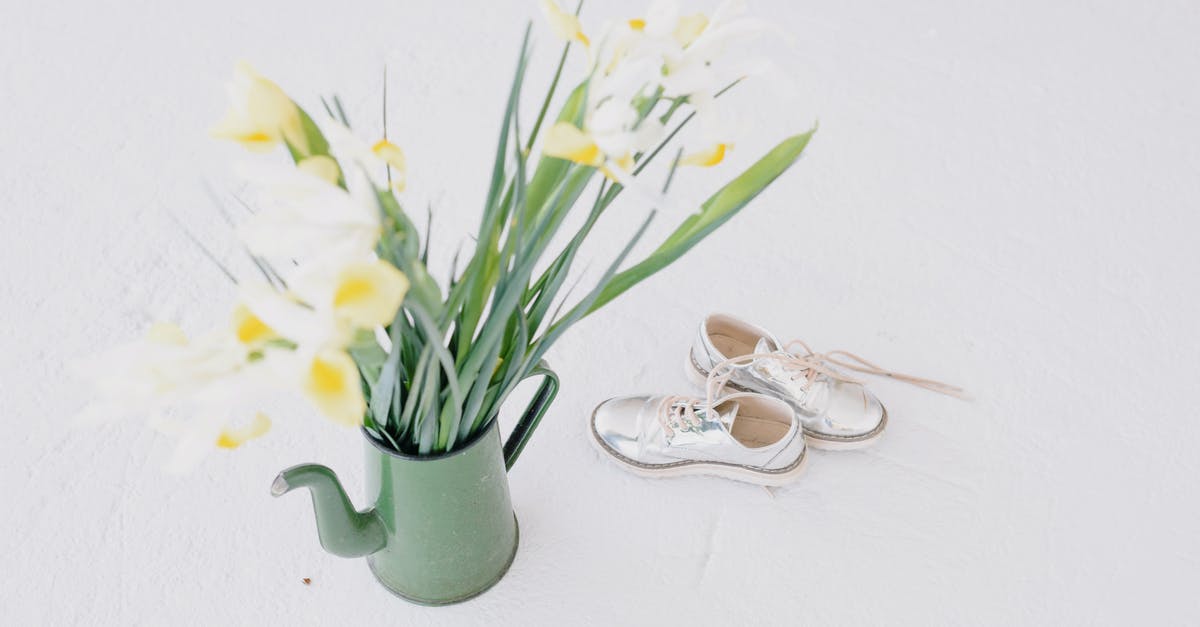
(441, 529)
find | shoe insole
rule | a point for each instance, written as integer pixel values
(756, 431)
(732, 346)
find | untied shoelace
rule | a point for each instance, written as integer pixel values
(679, 411)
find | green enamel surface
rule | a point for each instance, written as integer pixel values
(441, 528)
(449, 520)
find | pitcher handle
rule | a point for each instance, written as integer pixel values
(533, 413)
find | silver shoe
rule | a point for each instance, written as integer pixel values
(836, 411)
(744, 436)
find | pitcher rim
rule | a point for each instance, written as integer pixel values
(387, 450)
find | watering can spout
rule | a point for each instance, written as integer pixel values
(343, 530)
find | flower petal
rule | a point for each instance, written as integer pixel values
(331, 382)
(305, 219)
(689, 28)
(233, 437)
(564, 25)
(662, 16)
(288, 318)
(260, 114)
(166, 333)
(394, 157)
(249, 328)
(565, 141)
(706, 158)
(321, 166)
(369, 294)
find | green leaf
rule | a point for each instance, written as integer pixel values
(426, 429)
(552, 279)
(479, 390)
(537, 125)
(508, 296)
(317, 144)
(368, 354)
(482, 271)
(382, 393)
(585, 306)
(416, 390)
(550, 170)
(453, 409)
(713, 213)
(514, 95)
(398, 227)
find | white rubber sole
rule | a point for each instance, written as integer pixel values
(813, 440)
(685, 469)
(826, 444)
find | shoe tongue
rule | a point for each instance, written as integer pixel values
(778, 369)
(726, 412)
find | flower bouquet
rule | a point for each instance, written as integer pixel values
(344, 310)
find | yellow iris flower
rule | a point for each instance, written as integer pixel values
(260, 114)
(233, 437)
(331, 382)
(323, 167)
(368, 294)
(249, 329)
(567, 141)
(565, 25)
(708, 157)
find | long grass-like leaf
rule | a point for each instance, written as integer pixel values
(562, 61)
(434, 339)
(481, 271)
(328, 109)
(551, 170)
(719, 208)
(341, 111)
(554, 276)
(382, 390)
(427, 429)
(478, 393)
(507, 297)
(258, 262)
(543, 344)
(415, 391)
(517, 352)
(317, 144)
(203, 249)
(643, 162)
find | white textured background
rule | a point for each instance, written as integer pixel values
(1002, 194)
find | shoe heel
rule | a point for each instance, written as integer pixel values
(694, 376)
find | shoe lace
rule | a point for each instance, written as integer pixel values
(810, 364)
(678, 413)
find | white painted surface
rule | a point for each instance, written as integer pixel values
(1002, 194)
